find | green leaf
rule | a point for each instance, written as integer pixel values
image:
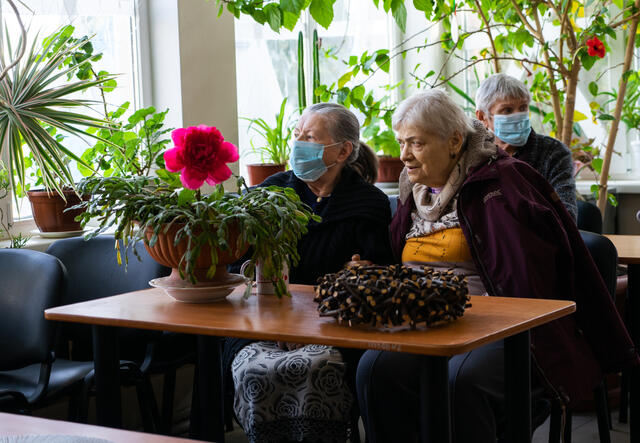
(399, 14)
(358, 92)
(593, 88)
(322, 12)
(606, 117)
(596, 164)
(344, 79)
(274, 16)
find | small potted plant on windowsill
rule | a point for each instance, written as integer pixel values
(384, 143)
(273, 149)
(197, 234)
(34, 105)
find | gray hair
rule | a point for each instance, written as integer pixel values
(343, 125)
(434, 112)
(500, 87)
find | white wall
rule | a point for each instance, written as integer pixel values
(192, 65)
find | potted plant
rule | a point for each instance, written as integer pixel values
(209, 231)
(383, 142)
(273, 148)
(15, 241)
(34, 105)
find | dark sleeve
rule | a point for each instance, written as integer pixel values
(560, 176)
(375, 243)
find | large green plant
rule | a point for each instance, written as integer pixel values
(270, 219)
(36, 102)
(274, 147)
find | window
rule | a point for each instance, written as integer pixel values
(267, 62)
(113, 27)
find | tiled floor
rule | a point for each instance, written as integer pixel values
(585, 430)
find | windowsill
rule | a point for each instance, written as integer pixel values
(35, 243)
(621, 186)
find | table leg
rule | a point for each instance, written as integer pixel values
(435, 410)
(633, 314)
(207, 411)
(517, 361)
(107, 376)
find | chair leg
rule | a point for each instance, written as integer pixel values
(624, 397)
(168, 397)
(600, 395)
(557, 428)
(567, 426)
(555, 424)
(148, 406)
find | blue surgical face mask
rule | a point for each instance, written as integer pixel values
(306, 160)
(513, 129)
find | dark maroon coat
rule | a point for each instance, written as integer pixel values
(525, 244)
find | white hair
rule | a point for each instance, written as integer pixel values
(343, 125)
(435, 112)
(500, 87)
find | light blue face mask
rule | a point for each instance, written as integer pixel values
(513, 129)
(306, 160)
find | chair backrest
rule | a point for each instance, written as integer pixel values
(605, 256)
(31, 282)
(93, 272)
(393, 202)
(589, 217)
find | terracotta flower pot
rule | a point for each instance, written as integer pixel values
(260, 172)
(48, 210)
(389, 169)
(166, 253)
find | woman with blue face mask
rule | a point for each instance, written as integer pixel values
(280, 390)
(502, 105)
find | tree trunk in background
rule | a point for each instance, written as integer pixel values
(622, 89)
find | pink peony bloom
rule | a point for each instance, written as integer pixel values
(200, 154)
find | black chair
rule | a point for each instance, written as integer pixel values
(605, 256)
(94, 273)
(30, 375)
(589, 217)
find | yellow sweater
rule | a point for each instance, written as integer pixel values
(448, 245)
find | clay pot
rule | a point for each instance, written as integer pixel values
(389, 169)
(166, 253)
(260, 172)
(48, 210)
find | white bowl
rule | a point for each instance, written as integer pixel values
(186, 292)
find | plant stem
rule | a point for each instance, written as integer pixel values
(23, 42)
(496, 63)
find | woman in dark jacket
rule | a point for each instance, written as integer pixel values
(288, 391)
(465, 204)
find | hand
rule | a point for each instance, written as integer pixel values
(356, 261)
(289, 346)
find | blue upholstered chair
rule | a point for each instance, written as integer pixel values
(30, 375)
(94, 273)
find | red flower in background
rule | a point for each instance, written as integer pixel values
(595, 47)
(200, 154)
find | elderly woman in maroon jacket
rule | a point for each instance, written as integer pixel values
(465, 204)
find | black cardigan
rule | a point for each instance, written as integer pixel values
(355, 220)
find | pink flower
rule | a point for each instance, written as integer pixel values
(200, 154)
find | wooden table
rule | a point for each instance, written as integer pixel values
(13, 424)
(295, 320)
(628, 247)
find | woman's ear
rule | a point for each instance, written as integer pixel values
(455, 143)
(345, 151)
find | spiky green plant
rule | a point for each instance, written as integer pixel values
(36, 93)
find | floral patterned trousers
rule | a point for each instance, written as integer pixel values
(298, 395)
